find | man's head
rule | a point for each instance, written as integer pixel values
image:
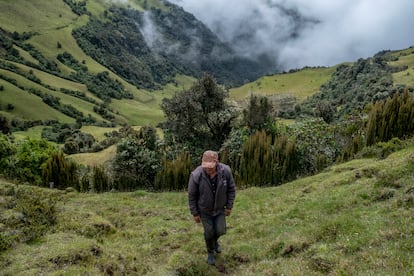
(209, 160)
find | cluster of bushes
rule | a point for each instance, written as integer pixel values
(39, 163)
(351, 88)
(67, 59)
(78, 7)
(260, 151)
(25, 214)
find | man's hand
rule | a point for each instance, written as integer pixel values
(197, 219)
(227, 212)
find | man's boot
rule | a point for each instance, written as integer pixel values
(210, 259)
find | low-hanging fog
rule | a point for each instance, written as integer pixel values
(297, 33)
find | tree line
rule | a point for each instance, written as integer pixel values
(260, 151)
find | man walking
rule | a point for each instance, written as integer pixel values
(211, 194)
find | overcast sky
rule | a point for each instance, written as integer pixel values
(300, 33)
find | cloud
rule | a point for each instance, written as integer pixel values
(297, 33)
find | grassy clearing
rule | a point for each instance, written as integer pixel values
(405, 58)
(96, 158)
(33, 132)
(353, 219)
(300, 84)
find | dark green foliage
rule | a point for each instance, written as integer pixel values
(199, 117)
(353, 146)
(105, 87)
(75, 141)
(101, 84)
(57, 132)
(78, 7)
(67, 59)
(258, 114)
(25, 164)
(231, 150)
(4, 125)
(100, 179)
(136, 162)
(57, 172)
(351, 88)
(26, 214)
(174, 174)
(7, 149)
(392, 118)
(325, 111)
(84, 142)
(120, 44)
(318, 144)
(266, 161)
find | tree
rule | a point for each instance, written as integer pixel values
(60, 172)
(26, 163)
(325, 111)
(258, 114)
(199, 117)
(137, 159)
(4, 125)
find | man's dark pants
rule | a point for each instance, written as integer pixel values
(214, 227)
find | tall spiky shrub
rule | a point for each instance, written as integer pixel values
(100, 179)
(392, 118)
(373, 126)
(266, 160)
(174, 173)
(58, 172)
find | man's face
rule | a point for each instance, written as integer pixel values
(211, 171)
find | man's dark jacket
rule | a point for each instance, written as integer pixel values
(200, 194)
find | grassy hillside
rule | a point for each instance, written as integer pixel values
(53, 23)
(50, 26)
(353, 219)
(299, 84)
(405, 58)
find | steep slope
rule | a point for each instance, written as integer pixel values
(353, 219)
(110, 54)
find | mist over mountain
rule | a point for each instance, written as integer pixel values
(299, 33)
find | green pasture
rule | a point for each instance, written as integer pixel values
(95, 158)
(83, 106)
(28, 106)
(36, 16)
(405, 58)
(352, 219)
(300, 84)
(33, 132)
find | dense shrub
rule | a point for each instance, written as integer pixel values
(174, 174)
(198, 118)
(7, 149)
(26, 164)
(136, 162)
(101, 181)
(350, 88)
(266, 160)
(58, 172)
(27, 213)
(392, 118)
